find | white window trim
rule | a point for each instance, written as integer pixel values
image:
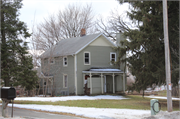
(89, 58)
(64, 61)
(52, 59)
(64, 80)
(111, 57)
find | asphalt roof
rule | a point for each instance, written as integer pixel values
(70, 46)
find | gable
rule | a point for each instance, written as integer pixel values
(69, 46)
(101, 41)
(74, 45)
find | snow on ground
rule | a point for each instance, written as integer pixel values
(101, 113)
(65, 98)
(159, 97)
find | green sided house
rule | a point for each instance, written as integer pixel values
(82, 65)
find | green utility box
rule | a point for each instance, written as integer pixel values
(154, 103)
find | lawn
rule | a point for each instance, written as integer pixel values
(162, 93)
(134, 102)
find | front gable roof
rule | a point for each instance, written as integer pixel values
(72, 46)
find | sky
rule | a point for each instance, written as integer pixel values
(34, 11)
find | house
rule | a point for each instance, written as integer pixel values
(82, 65)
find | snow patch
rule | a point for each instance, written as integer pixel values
(66, 98)
(102, 113)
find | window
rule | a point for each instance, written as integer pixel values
(65, 61)
(112, 57)
(86, 58)
(65, 81)
(51, 60)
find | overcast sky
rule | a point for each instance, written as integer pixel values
(34, 11)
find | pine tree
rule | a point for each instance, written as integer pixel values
(146, 43)
(16, 65)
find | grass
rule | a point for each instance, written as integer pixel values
(162, 93)
(134, 102)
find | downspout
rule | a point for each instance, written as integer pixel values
(75, 73)
(120, 37)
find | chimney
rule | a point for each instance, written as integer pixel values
(119, 37)
(83, 32)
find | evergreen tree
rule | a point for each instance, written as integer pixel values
(16, 65)
(146, 43)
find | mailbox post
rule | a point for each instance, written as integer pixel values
(7, 94)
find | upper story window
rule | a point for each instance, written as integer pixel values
(112, 57)
(65, 61)
(51, 60)
(65, 81)
(86, 58)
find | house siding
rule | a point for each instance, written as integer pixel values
(100, 57)
(99, 50)
(96, 87)
(57, 70)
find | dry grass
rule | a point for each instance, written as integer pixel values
(134, 102)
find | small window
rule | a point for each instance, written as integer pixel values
(87, 58)
(65, 81)
(51, 61)
(112, 57)
(65, 61)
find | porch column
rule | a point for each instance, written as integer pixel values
(123, 82)
(43, 87)
(90, 83)
(83, 83)
(102, 83)
(113, 84)
(84, 80)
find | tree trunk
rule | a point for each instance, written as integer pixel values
(39, 88)
(53, 89)
(46, 87)
(43, 87)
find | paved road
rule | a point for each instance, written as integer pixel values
(28, 114)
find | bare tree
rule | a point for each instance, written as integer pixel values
(66, 24)
(115, 23)
(73, 19)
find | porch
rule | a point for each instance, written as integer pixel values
(46, 83)
(103, 80)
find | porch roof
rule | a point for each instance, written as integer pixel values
(42, 75)
(103, 70)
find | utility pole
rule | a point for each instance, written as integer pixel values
(179, 62)
(167, 56)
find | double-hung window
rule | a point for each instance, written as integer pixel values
(65, 61)
(112, 57)
(86, 58)
(65, 81)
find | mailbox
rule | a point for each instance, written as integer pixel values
(8, 93)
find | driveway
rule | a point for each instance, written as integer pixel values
(30, 114)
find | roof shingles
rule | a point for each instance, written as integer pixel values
(70, 46)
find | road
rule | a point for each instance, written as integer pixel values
(29, 114)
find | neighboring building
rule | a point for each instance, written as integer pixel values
(82, 65)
